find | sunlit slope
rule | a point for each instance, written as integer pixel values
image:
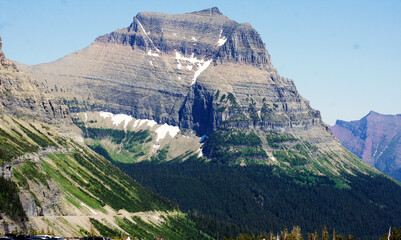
(66, 187)
(125, 139)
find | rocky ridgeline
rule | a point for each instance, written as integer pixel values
(23, 96)
(375, 139)
(207, 33)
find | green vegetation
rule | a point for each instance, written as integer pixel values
(131, 142)
(294, 158)
(118, 136)
(274, 138)
(92, 175)
(29, 170)
(176, 226)
(37, 136)
(232, 146)
(295, 234)
(232, 199)
(161, 155)
(106, 230)
(10, 203)
(14, 145)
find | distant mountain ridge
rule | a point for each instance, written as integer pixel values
(376, 139)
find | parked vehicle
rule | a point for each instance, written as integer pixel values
(5, 238)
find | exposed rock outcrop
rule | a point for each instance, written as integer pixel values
(21, 95)
(376, 138)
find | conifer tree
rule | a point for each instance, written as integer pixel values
(325, 233)
(296, 233)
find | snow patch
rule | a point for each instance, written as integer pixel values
(221, 40)
(151, 63)
(202, 67)
(179, 78)
(90, 209)
(155, 147)
(165, 129)
(119, 118)
(161, 130)
(200, 154)
(192, 61)
(86, 117)
(106, 115)
(150, 53)
(151, 123)
(194, 38)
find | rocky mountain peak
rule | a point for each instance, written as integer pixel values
(208, 12)
(207, 34)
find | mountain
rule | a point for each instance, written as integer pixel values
(51, 180)
(201, 80)
(376, 139)
(199, 71)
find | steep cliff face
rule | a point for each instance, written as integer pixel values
(19, 94)
(376, 138)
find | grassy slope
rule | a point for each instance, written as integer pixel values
(89, 184)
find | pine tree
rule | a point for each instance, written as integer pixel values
(350, 237)
(325, 233)
(296, 233)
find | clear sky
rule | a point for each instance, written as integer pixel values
(344, 55)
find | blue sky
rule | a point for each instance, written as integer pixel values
(344, 55)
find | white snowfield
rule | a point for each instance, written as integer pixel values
(165, 129)
(221, 40)
(161, 130)
(150, 53)
(192, 62)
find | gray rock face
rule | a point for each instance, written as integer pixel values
(19, 94)
(1, 51)
(170, 67)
